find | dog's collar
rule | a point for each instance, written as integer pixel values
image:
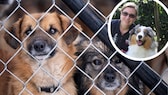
(48, 89)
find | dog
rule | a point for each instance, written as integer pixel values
(141, 42)
(42, 65)
(100, 77)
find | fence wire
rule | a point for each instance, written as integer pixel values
(20, 8)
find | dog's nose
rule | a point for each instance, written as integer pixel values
(110, 75)
(139, 36)
(39, 45)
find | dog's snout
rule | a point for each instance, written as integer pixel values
(139, 36)
(109, 75)
(39, 45)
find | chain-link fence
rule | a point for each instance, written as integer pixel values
(93, 17)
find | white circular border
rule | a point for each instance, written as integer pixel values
(113, 43)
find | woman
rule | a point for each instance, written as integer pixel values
(121, 27)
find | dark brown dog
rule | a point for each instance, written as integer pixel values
(101, 75)
(42, 65)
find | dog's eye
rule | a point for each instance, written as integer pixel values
(136, 32)
(28, 31)
(52, 30)
(97, 62)
(117, 61)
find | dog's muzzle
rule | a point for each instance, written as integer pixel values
(41, 48)
(109, 75)
(139, 40)
(110, 82)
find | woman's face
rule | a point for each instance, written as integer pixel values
(128, 16)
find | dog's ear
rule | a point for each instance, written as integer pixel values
(81, 43)
(71, 34)
(138, 25)
(132, 31)
(150, 32)
(11, 40)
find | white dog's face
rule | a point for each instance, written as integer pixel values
(142, 34)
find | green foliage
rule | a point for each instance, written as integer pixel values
(148, 16)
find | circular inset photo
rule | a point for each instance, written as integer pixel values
(138, 29)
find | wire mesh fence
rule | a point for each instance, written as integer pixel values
(94, 63)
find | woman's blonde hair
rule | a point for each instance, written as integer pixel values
(131, 5)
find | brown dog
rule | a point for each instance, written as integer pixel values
(42, 65)
(101, 75)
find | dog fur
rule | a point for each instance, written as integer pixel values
(40, 62)
(141, 42)
(93, 63)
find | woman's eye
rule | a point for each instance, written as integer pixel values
(52, 31)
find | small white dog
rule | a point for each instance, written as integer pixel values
(141, 42)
